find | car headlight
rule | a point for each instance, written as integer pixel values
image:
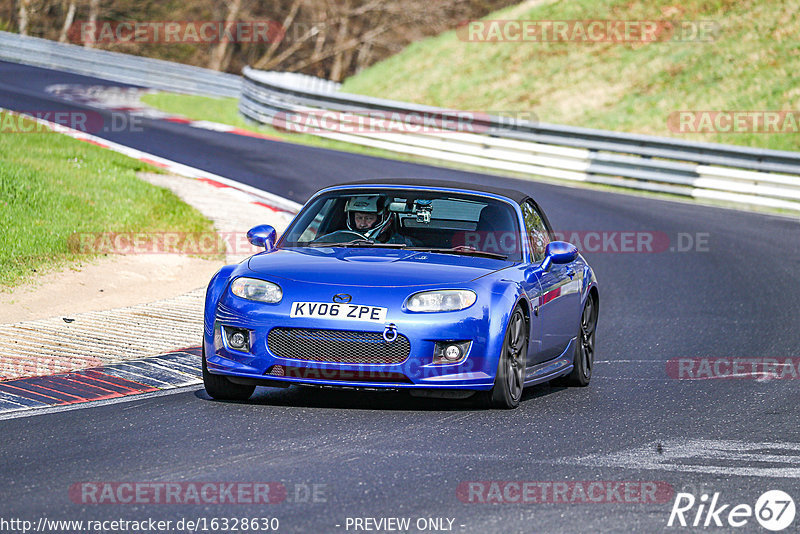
(441, 300)
(254, 289)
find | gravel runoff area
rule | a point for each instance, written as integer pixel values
(61, 344)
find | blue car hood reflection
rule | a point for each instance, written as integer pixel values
(372, 266)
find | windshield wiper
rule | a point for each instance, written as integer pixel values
(366, 243)
(467, 251)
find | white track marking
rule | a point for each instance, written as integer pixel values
(717, 457)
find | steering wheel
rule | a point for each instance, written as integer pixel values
(339, 236)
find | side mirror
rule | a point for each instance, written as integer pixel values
(262, 235)
(559, 252)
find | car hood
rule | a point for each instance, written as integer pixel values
(372, 266)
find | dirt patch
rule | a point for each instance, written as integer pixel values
(107, 283)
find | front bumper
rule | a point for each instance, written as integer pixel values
(423, 330)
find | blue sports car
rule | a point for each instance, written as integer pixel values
(432, 287)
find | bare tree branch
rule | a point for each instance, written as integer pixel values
(287, 23)
(67, 22)
(94, 8)
(352, 43)
(23, 16)
(328, 38)
(219, 52)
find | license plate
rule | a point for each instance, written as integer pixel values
(348, 312)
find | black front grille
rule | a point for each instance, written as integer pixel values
(337, 346)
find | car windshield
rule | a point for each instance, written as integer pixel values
(443, 222)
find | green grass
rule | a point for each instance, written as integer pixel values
(751, 65)
(52, 186)
(222, 110)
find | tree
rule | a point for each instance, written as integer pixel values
(327, 38)
(219, 61)
(94, 8)
(68, 19)
(24, 7)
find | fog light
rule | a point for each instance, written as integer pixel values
(238, 341)
(237, 338)
(450, 351)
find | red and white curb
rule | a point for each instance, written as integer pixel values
(256, 196)
(219, 127)
(173, 370)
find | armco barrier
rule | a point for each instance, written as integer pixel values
(701, 170)
(126, 68)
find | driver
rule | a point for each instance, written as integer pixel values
(368, 215)
(364, 220)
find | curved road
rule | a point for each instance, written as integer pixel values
(387, 455)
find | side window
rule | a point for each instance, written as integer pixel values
(323, 220)
(536, 230)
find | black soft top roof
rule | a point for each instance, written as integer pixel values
(517, 196)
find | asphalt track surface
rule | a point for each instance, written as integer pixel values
(384, 455)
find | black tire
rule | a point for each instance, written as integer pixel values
(220, 388)
(510, 377)
(583, 361)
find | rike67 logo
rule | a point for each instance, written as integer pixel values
(774, 510)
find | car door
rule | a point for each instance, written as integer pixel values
(554, 320)
(558, 307)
